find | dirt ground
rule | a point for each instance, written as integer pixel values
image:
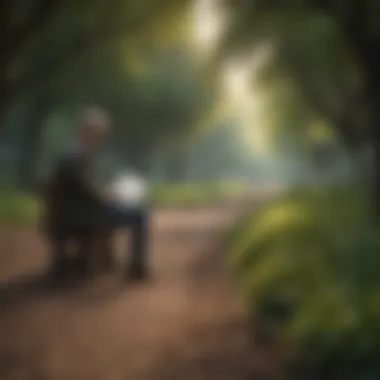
(187, 323)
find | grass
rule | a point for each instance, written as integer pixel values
(17, 207)
(195, 194)
(20, 208)
(308, 264)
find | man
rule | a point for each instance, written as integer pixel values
(83, 204)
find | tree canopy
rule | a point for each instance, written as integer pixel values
(329, 49)
(39, 38)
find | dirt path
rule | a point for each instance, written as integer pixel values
(187, 324)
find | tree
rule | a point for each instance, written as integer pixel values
(338, 40)
(38, 38)
(107, 75)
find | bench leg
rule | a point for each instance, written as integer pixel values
(83, 262)
(60, 263)
(64, 265)
(104, 252)
(95, 255)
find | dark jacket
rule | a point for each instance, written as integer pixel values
(76, 197)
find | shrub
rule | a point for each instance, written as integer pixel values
(17, 207)
(309, 264)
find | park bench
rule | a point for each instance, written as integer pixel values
(78, 247)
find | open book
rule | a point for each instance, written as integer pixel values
(130, 189)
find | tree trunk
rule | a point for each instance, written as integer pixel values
(373, 98)
(375, 137)
(32, 140)
(5, 98)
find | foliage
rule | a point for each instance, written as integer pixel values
(38, 39)
(327, 48)
(308, 264)
(121, 56)
(17, 207)
(143, 121)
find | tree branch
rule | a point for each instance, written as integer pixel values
(365, 49)
(4, 19)
(343, 120)
(105, 29)
(35, 22)
(353, 25)
(44, 71)
(78, 44)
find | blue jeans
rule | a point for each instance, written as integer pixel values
(118, 215)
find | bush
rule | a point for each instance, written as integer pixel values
(308, 264)
(17, 207)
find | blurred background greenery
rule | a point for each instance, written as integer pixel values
(209, 100)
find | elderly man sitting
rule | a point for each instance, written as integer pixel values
(81, 204)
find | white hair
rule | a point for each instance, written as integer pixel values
(94, 117)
